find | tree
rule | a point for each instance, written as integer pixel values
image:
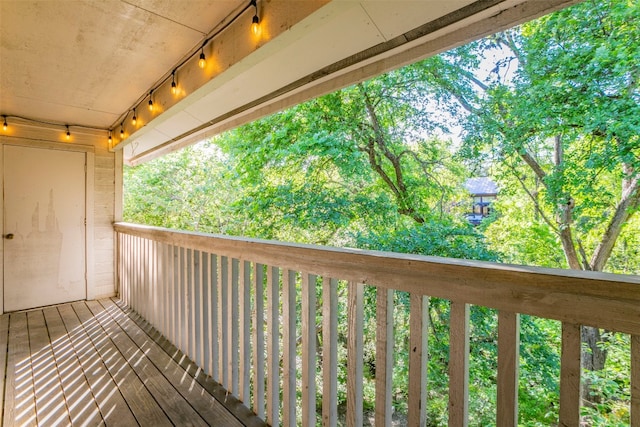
(565, 126)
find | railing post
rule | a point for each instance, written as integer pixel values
(570, 375)
(459, 364)
(258, 341)
(384, 356)
(245, 331)
(418, 327)
(355, 354)
(635, 380)
(223, 321)
(214, 315)
(329, 352)
(289, 348)
(508, 364)
(308, 350)
(273, 351)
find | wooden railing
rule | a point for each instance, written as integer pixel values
(230, 304)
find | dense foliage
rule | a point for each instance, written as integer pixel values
(550, 109)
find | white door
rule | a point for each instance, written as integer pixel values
(44, 227)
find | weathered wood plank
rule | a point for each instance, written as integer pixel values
(244, 339)
(207, 407)
(355, 351)
(308, 350)
(418, 327)
(384, 356)
(138, 398)
(273, 350)
(508, 363)
(329, 352)
(51, 408)
(214, 340)
(289, 348)
(112, 405)
(19, 400)
(233, 405)
(570, 375)
(223, 321)
(81, 404)
(459, 364)
(176, 408)
(635, 380)
(258, 342)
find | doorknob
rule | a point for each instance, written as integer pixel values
(9, 236)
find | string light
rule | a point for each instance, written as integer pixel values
(122, 130)
(68, 133)
(4, 125)
(202, 62)
(110, 139)
(255, 23)
(174, 87)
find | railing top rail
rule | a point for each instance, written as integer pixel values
(604, 300)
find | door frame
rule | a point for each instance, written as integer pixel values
(88, 208)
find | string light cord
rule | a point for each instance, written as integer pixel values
(63, 126)
(170, 75)
(215, 33)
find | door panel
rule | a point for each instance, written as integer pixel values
(44, 202)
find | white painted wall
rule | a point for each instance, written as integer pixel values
(104, 201)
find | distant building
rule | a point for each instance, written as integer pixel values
(483, 191)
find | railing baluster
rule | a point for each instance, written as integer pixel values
(384, 356)
(418, 327)
(289, 348)
(199, 318)
(508, 364)
(355, 354)
(165, 289)
(245, 331)
(635, 380)
(223, 324)
(329, 352)
(258, 341)
(214, 310)
(175, 282)
(308, 350)
(203, 304)
(273, 352)
(184, 302)
(459, 364)
(234, 324)
(191, 305)
(570, 375)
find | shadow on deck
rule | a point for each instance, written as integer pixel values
(99, 363)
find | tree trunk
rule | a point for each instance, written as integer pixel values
(594, 357)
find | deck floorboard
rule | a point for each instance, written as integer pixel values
(98, 363)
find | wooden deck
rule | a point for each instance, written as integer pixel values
(98, 363)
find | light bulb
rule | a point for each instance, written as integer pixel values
(255, 25)
(174, 86)
(150, 105)
(68, 134)
(202, 62)
(4, 125)
(134, 119)
(121, 132)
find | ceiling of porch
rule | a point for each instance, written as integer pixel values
(88, 63)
